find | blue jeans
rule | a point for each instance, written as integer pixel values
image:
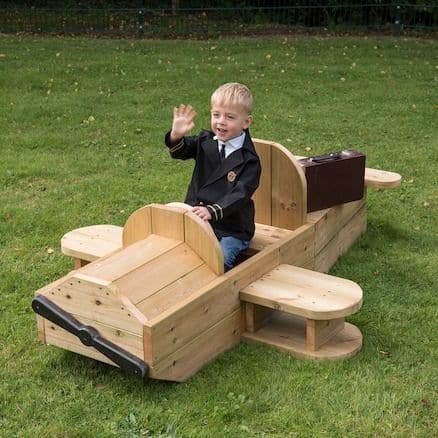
(231, 247)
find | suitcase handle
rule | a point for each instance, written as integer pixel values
(332, 156)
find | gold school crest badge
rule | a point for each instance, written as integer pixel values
(231, 176)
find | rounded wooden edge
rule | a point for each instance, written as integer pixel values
(382, 179)
(212, 252)
(355, 296)
(137, 226)
(73, 243)
(182, 205)
(347, 343)
(298, 170)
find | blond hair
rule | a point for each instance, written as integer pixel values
(233, 93)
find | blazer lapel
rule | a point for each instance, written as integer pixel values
(211, 151)
(230, 163)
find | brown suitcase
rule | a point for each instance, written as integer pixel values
(334, 178)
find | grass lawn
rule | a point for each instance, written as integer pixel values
(81, 142)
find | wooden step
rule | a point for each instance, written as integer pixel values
(303, 298)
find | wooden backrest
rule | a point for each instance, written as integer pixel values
(281, 198)
(175, 221)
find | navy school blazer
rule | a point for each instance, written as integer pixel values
(224, 187)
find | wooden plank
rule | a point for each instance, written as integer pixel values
(178, 326)
(304, 293)
(175, 292)
(92, 242)
(201, 238)
(341, 242)
(139, 284)
(253, 268)
(58, 337)
(319, 333)
(138, 226)
(184, 362)
(299, 248)
(262, 196)
(168, 222)
(61, 338)
(288, 333)
(266, 235)
(330, 221)
(41, 328)
(96, 301)
(256, 316)
(289, 190)
(130, 258)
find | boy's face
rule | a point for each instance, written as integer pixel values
(229, 121)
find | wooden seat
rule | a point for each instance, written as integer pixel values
(310, 310)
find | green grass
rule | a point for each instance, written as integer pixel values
(82, 124)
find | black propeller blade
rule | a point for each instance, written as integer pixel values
(89, 336)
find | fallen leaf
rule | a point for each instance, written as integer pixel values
(425, 403)
(50, 250)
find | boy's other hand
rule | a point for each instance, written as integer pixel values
(183, 121)
(202, 212)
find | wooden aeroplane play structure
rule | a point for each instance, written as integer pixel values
(152, 297)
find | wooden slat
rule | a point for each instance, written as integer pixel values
(168, 222)
(138, 226)
(182, 323)
(201, 238)
(298, 249)
(130, 258)
(266, 235)
(174, 293)
(161, 271)
(304, 293)
(183, 363)
(331, 221)
(92, 242)
(41, 328)
(262, 196)
(97, 301)
(253, 268)
(58, 337)
(61, 338)
(341, 242)
(289, 190)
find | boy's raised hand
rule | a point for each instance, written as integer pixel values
(183, 121)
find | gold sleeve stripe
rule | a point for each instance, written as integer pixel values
(178, 146)
(212, 211)
(221, 212)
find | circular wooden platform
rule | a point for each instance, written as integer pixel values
(287, 333)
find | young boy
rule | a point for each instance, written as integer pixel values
(227, 168)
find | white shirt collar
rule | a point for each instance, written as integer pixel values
(233, 144)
